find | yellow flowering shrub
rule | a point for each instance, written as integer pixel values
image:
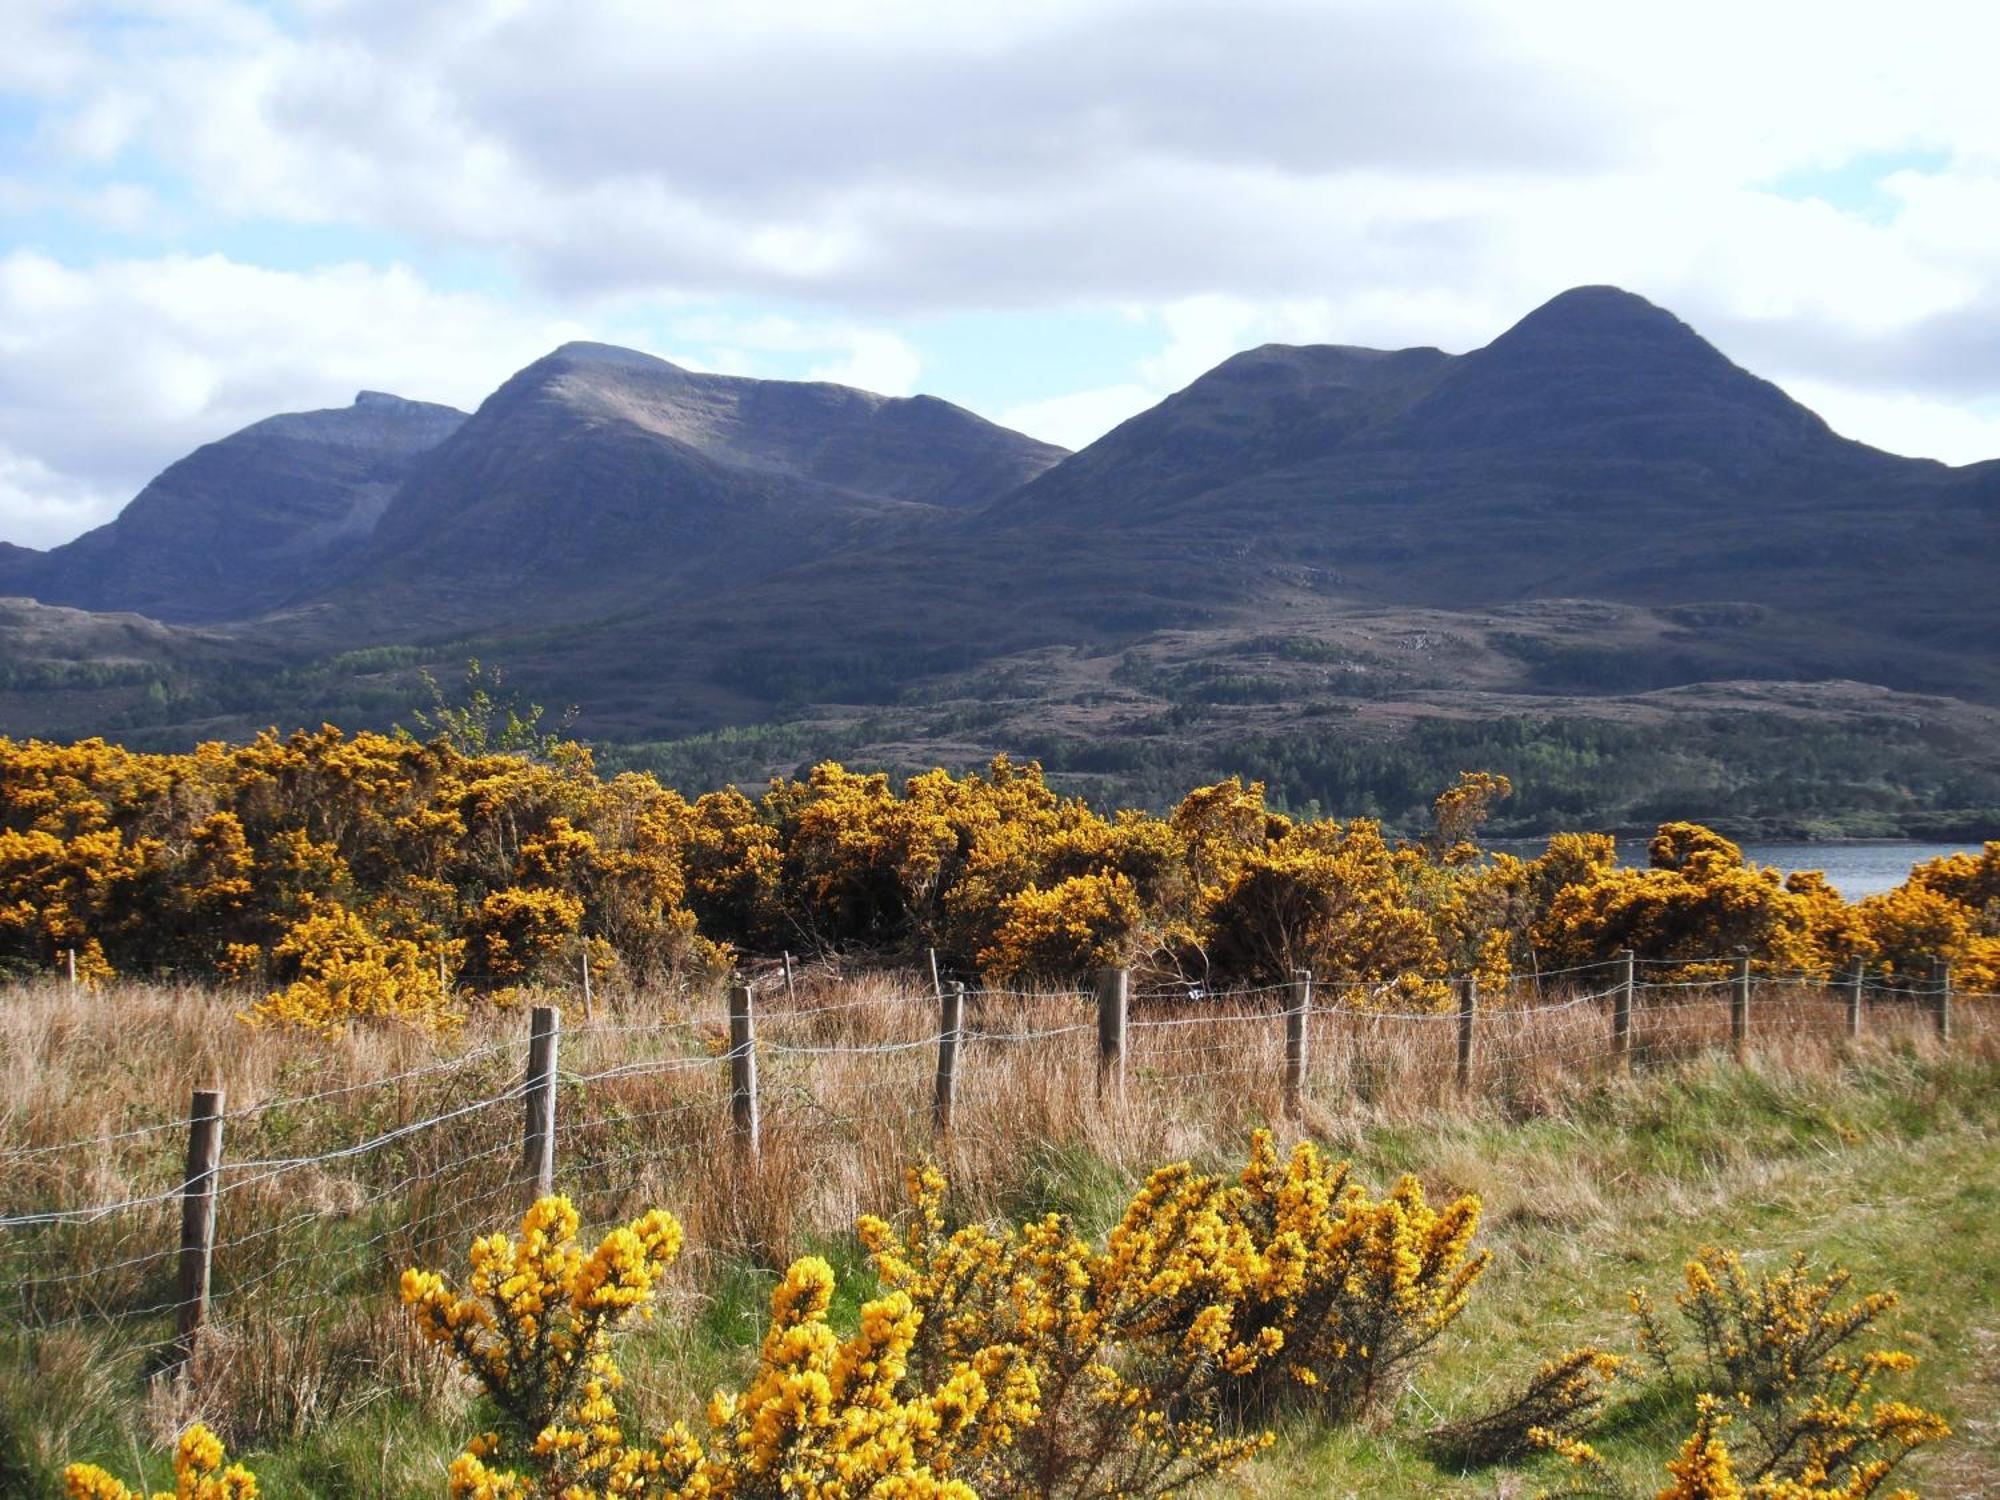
(1127, 1346)
(1361, 1286)
(1333, 898)
(1070, 929)
(1698, 899)
(201, 1472)
(1211, 1302)
(821, 1416)
(1777, 1353)
(347, 972)
(533, 1326)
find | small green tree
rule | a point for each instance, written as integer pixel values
(483, 721)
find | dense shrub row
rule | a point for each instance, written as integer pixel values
(381, 874)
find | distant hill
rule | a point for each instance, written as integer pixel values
(246, 523)
(599, 478)
(1596, 517)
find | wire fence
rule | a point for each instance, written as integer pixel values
(799, 1109)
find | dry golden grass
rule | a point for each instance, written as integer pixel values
(312, 1233)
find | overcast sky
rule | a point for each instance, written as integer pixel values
(1052, 211)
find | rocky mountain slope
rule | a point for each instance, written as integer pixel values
(1596, 515)
(246, 523)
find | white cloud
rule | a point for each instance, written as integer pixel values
(110, 372)
(1906, 424)
(1362, 171)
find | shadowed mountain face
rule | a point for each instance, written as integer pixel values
(675, 552)
(597, 478)
(244, 524)
(1600, 449)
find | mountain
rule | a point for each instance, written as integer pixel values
(598, 478)
(1596, 517)
(1598, 449)
(245, 523)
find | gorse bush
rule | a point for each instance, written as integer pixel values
(342, 874)
(1212, 1305)
(1128, 1346)
(1368, 1284)
(821, 1416)
(201, 1472)
(1016, 1361)
(1783, 1391)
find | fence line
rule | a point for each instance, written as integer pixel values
(1290, 1052)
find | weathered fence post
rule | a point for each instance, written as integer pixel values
(204, 1160)
(1114, 990)
(743, 1073)
(589, 1010)
(951, 1023)
(1739, 1007)
(538, 1129)
(1298, 1020)
(1621, 1012)
(1468, 1011)
(791, 989)
(1856, 985)
(72, 968)
(937, 984)
(1941, 997)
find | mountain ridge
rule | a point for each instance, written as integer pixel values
(1306, 541)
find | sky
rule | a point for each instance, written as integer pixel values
(1055, 212)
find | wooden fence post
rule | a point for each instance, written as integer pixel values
(538, 1126)
(937, 984)
(743, 1073)
(1298, 1019)
(791, 990)
(204, 1160)
(1941, 997)
(589, 1010)
(1468, 1011)
(1114, 990)
(1621, 1012)
(72, 968)
(951, 1024)
(1739, 1008)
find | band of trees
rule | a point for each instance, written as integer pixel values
(380, 874)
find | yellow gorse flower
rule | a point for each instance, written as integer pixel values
(201, 1472)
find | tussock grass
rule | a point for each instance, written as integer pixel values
(1878, 1151)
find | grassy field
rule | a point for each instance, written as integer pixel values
(1878, 1155)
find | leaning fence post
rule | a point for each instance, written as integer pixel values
(1298, 1017)
(1621, 1012)
(743, 1072)
(1114, 989)
(951, 1023)
(1468, 1011)
(1739, 1007)
(538, 1128)
(204, 1160)
(1855, 986)
(937, 984)
(1941, 997)
(791, 991)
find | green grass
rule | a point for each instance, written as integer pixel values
(1888, 1168)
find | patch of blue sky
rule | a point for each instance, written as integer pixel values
(1859, 185)
(991, 360)
(984, 359)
